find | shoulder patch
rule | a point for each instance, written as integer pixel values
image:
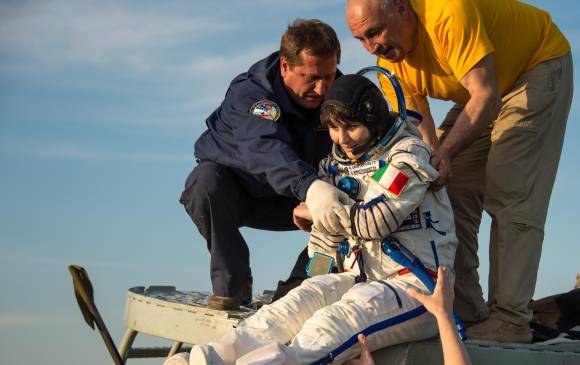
(266, 109)
(391, 178)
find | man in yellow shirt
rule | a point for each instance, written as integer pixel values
(508, 69)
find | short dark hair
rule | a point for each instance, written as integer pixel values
(332, 114)
(310, 35)
(356, 99)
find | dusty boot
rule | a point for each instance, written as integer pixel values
(232, 303)
(204, 355)
(493, 329)
(223, 303)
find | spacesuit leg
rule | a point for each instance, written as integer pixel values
(280, 321)
(381, 310)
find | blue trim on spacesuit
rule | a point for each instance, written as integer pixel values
(369, 331)
(399, 302)
(434, 248)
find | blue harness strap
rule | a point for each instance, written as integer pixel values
(369, 331)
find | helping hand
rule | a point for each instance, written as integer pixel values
(327, 207)
(440, 303)
(302, 217)
(441, 160)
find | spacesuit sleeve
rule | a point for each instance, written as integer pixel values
(323, 243)
(394, 191)
(265, 149)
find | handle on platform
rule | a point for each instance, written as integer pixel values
(84, 293)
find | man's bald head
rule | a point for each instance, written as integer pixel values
(386, 28)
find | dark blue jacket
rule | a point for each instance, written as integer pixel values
(271, 157)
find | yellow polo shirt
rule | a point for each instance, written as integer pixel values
(454, 35)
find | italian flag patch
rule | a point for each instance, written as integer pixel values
(391, 178)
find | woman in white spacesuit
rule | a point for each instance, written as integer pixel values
(383, 165)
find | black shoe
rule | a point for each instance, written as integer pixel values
(285, 286)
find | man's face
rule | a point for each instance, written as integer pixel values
(390, 33)
(307, 82)
(350, 137)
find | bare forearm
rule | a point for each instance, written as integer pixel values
(483, 106)
(474, 118)
(427, 129)
(454, 353)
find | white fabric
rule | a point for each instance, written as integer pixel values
(204, 355)
(327, 207)
(181, 358)
(272, 354)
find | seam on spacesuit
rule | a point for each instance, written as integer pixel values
(321, 241)
(399, 302)
(379, 233)
(374, 201)
(319, 246)
(366, 220)
(353, 213)
(393, 214)
(385, 220)
(339, 236)
(413, 170)
(434, 248)
(412, 145)
(370, 330)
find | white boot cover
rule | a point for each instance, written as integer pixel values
(281, 320)
(272, 354)
(181, 358)
(204, 355)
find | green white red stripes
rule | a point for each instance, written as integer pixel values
(391, 178)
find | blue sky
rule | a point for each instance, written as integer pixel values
(100, 103)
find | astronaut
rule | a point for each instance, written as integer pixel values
(386, 165)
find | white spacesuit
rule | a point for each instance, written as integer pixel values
(320, 319)
(318, 322)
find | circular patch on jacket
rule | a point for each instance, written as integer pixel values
(266, 109)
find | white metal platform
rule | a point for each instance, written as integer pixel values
(182, 317)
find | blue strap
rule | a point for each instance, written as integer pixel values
(369, 331)
(435, 254)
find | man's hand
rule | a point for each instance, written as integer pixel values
(327, 206)
(302, 217)
(441, 160)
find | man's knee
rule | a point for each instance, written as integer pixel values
(208, 180)
(211, 189)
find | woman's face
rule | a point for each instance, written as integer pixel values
(350, 137)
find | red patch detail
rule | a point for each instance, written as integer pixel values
(398, 184)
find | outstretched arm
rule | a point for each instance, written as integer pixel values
(483, 107)
(440, 304)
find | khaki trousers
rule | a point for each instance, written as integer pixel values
(509, 172)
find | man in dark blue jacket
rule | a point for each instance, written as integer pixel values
(257, 159)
